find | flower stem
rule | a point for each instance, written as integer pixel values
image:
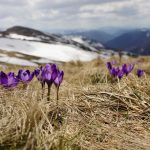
(57, 95)
(48, 94)
(43, 85)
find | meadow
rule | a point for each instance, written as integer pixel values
(94, 111)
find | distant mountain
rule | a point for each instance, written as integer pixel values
(135, 41)
(97, 35)
(115, 31)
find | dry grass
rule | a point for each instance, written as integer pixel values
(95, 112)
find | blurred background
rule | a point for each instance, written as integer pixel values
(43, 31)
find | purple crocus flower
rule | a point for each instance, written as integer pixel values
(130, 67)
(109, 65)
(58, 81)
(140, 72)
(124, 69)
(59, 78)
(48, 75)
(38, 73)
(25, 76)
(117, 72)
(114, 71)
(8, 80)
(127, 68)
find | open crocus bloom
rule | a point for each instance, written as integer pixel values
(25, 76)
(8, 80)
(140, 72)
(59, 78)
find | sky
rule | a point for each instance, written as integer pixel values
(52, 15)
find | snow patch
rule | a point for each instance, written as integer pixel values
(78, 39)
(55, 52)
(17, 61)
(22, 37)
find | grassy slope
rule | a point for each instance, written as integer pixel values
(96, 112)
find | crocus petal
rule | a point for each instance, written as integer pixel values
(24, 76)
(31, 76)
(59, 78)
(12, 81)
(0, 77)
(124, 69)
(117, 70)
(113, 71)
(54, 67)
(127, 68)
(11, 74)
(120, 74)
(130, 68)
(109, 66)
(37, 72)
(19, 74)
(54, 74)
(4, 78)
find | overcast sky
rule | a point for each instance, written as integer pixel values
(74, 14)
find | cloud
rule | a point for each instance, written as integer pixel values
(118, 8)
(74, 14)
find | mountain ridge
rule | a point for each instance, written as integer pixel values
(135, 41)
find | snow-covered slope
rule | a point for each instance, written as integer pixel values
(56, 52)
(94, 45)
(22, 37)
(16, 61)
(12, 57)
(45, 47)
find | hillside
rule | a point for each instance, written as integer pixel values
(95, 111)
(88, 42)
(98, 35)
(45, 46)
(29, 34)
(135, 41)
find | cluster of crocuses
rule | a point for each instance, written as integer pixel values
(125, 69)
(10, 80)
(48, 74)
